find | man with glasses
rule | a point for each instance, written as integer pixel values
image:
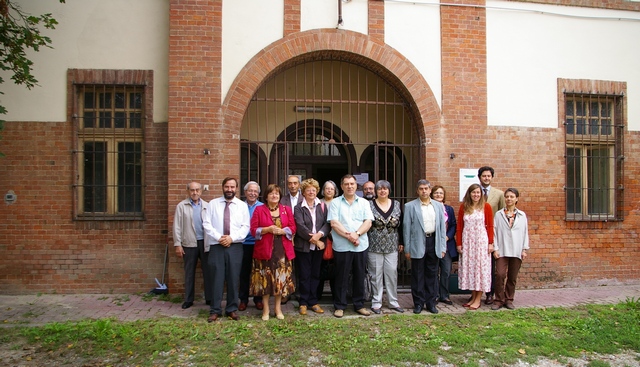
(189, 242)
(251, 193)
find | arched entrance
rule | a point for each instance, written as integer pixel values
(326, 118)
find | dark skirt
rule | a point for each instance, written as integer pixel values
(272, 277)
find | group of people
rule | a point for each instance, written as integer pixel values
(276, 248)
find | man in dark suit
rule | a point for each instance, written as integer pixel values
(292, 198)
(425, 243)
(495, 198)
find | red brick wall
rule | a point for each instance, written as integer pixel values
(291, 16)
(195, 115)
(43, 249)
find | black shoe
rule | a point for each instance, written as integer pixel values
(489, 300)
(376, 311)
(398, 309)
(447, 301)
(417, 309)
(208, 303)
(432, 309)
(187, 305)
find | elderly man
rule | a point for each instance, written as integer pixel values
(424, 230)
(291, 198)
(227, 225)
(350, 218)
(189, 242)
(251, 192)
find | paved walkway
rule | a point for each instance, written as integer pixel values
(41, 309)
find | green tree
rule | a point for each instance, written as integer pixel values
(19, 32)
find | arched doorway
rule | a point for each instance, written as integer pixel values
(322, 119)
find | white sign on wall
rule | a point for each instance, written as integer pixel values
(468, 176)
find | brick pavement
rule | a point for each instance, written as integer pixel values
(45, 308)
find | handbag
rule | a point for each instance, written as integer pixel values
(328, 250)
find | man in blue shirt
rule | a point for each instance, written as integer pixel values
(350, 218)
(251, 192)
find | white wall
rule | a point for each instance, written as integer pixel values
(248, 26)
(414, 30)
(89, 36)
(527, 51)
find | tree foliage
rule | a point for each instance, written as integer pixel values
(19, 33)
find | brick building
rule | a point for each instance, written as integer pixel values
(136, 99)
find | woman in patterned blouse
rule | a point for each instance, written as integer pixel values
(384, 245)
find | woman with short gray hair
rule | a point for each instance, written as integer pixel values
(384, 244)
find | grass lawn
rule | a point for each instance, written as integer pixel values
(471, 339)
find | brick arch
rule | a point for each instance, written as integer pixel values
(333, 44)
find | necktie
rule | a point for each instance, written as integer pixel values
(485, 194)
(226, 226)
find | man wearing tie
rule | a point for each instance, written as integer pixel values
(495, 198)
(227, 225)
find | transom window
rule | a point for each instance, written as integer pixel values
(594, 129)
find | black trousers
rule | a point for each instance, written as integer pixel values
(190, 257)
(356, 264)
(245, 275)
(424, 276)
(308, 265)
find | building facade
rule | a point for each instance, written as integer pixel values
(132, 105)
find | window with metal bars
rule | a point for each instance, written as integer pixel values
(594, 154)
(110, 132)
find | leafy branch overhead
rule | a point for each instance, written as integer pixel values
(20, 32)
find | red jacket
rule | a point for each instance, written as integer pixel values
(488, 223)
(261, 217)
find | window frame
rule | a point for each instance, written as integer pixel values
(110, 81)
(587, 92)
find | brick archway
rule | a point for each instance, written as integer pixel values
(333, 44)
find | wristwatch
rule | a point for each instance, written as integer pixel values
(358, 233)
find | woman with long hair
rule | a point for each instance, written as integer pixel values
(475, 244)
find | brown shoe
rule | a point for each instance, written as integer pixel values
(213, 317)
(496, 306)
(259, 306)
(317, 309)
(233, 315)
(489, 300)
(303, 310)
(363, 311)
(509, 306)
(338, 313)
(242, 306)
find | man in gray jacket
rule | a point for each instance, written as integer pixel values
(188, 240)
(425, 242)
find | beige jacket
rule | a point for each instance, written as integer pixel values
(184, 231)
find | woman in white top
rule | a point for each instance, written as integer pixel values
(511, 242)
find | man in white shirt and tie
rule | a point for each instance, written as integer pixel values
(227, 225)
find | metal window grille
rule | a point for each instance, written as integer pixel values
(594, 156)
(110, 124)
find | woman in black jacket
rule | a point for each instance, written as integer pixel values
(312, 226)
